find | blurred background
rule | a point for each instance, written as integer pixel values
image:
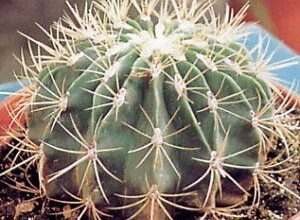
(20, 15)
(281, 17)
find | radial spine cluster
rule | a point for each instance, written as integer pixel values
(139, 109)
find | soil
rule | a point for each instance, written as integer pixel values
(275, 202)
(16, 204)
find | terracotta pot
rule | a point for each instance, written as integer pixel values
(9, 120)
(295, 98)
(282, 18)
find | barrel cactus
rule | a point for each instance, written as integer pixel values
(140, 109)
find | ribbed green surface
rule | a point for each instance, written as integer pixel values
(213, 113)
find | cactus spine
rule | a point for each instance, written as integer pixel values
(137, 116)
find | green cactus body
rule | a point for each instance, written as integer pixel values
(150, 114)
